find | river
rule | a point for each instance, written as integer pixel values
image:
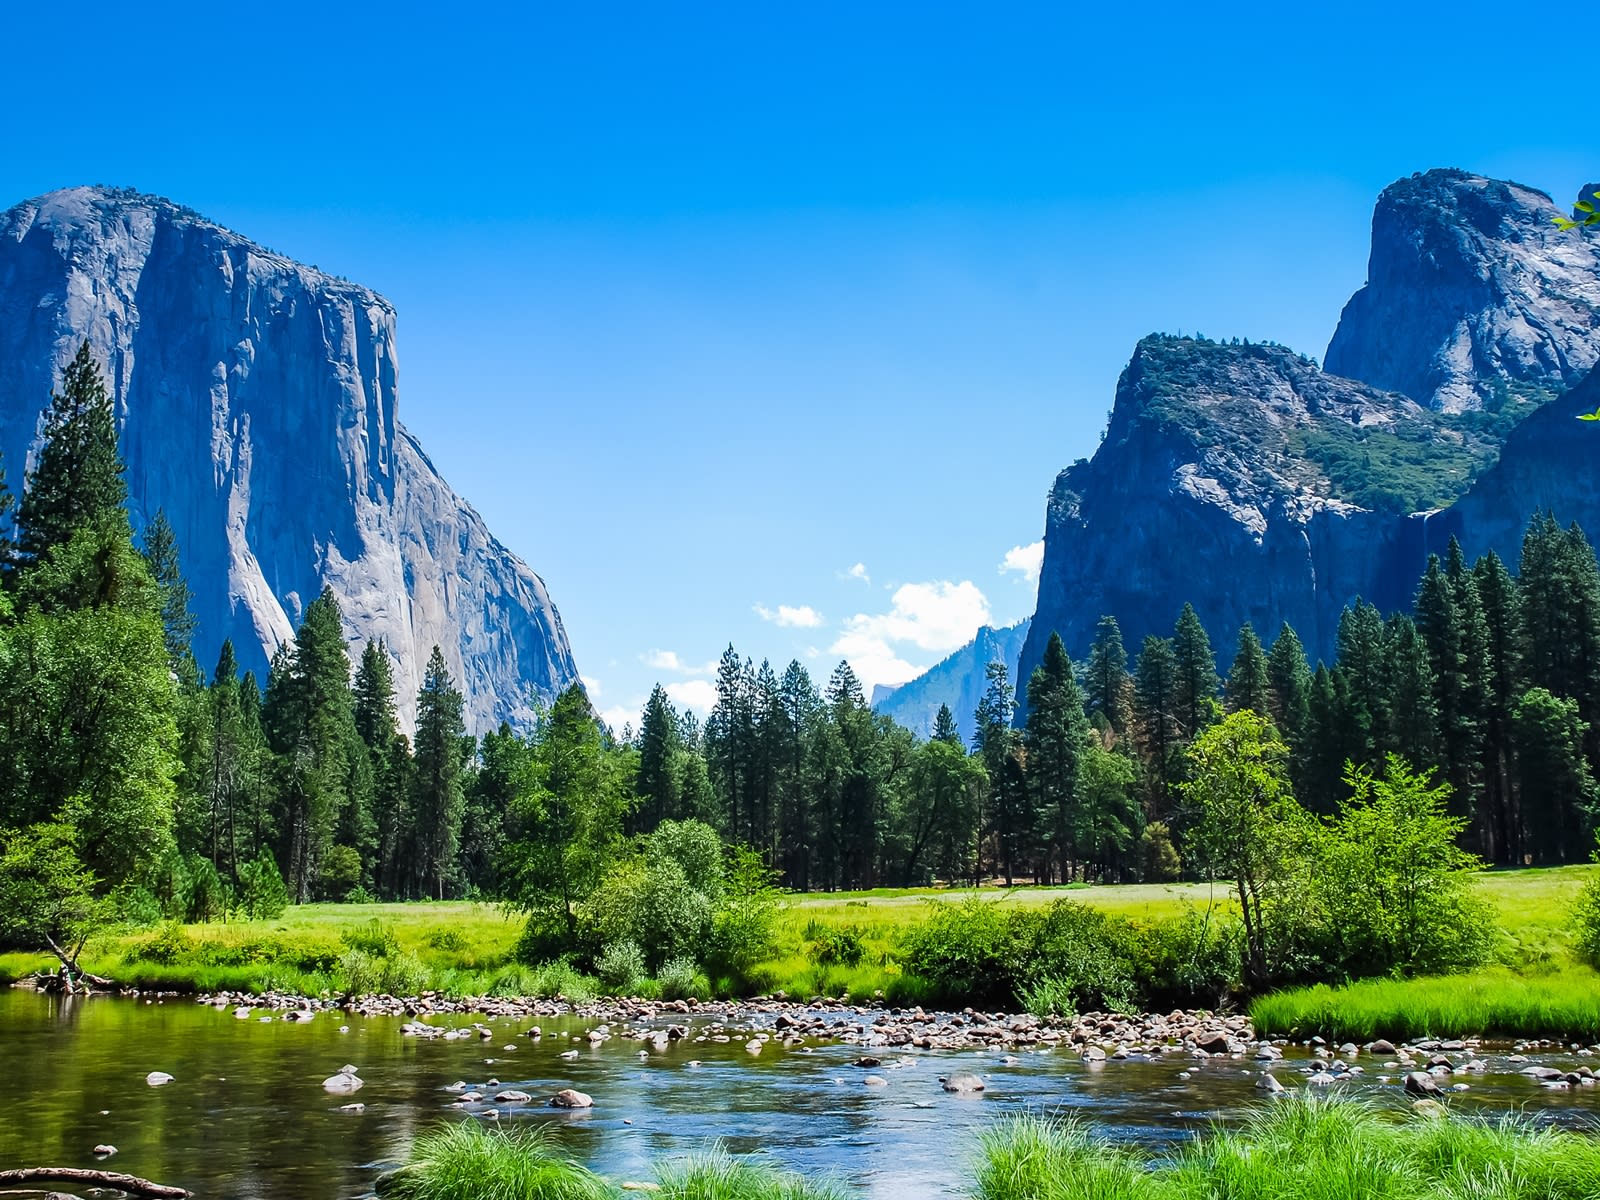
(246, 1115)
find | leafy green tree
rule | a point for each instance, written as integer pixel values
(438, 797)
(567, 823)
(1111, 821)
(1251, 831)
(941, 814)
(48, 897)
(1249, 682)
(1395, 887)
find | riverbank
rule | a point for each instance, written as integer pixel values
(457, 950)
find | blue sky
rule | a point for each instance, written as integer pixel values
(773, 324)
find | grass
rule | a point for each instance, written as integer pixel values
(1560, 1004)
(459, 948)
(466, 1161)
(1318, 1149)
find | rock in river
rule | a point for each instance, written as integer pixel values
(962, 1082)
(157, 1078)
(571, 1098)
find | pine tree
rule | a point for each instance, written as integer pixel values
(1289, 677)
(1362, 657)
(657, 780)
(1502, 616)
(944, 727)
(161, 553)
(797, 721)
(226, 776)
(1412, 723)
(1108, 686)
(438, 794)
(1195, 679)
(1056, 739)
(1249, 682)
(77, 480)
(377, 727)
(1559, 803)
(1161, 728)
(1007, 820)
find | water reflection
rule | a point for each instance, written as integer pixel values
(246, 1115)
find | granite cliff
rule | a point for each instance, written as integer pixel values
(256, 399)
(1251, 483)
(1472, 295)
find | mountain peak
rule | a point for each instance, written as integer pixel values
(1473, 296)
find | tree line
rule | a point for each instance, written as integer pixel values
(129, 776)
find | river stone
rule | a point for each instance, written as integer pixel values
(1094, 1054)
(343, 1083)
(1382, 1047)
(1420, 1083)
(157, 1078)
(1542, 1073)
(962, 1082)
(1269, 1083)
(512, 1096)
(357, 1107)
(875, 1081)
(104, 1150)
(571, 1098)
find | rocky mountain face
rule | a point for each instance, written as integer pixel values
(958, 681)
(1250, 483)
(256, 399)
(1472, 295)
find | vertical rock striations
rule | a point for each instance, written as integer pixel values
(257, 404)
(1472, 294)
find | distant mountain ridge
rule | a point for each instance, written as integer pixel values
(257, 404)
(958, 681)
(1256, 486)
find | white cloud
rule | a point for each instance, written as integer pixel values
(1026, 560)
(619, 715)
(939, 617)
(859, 571)
(790, 616)
(698, 694)
(591, 686)
(668, 660)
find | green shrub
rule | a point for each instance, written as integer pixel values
(375, 937)
(832, 945)
(620, 966)
(1049, 999)
(682, 979)
(963, 951)
(364, 974)
(1190, 961)
(446, 939)
(359, 895)
(1586, 921)
(262, 894)
(1076, 953)
(166, 946)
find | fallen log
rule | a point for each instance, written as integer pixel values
(131, 1184)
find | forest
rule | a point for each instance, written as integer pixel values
(134, 783)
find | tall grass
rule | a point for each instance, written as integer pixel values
(1562, 1004)
(465, 1161)
(1299, 1148)
(717, 1175)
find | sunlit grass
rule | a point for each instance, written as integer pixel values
(465, 1161)
(1559, 1004)
(1316, 1149)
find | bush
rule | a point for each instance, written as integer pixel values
(831, 945)
(682, 979)
(1049, 998)
(375, 938)
(167, 946)
(446, 939)
(359, 895)
(364, 974)
(1195, 960)
(963, 950)
(341, 871)
(620, 966)
(1076, 952)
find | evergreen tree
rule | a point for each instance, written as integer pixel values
(161, 554)
(228, 767)
(1161, 729)
(1249, 682)
(76, 482)
(1412, 722)
(1502, 615)
(730, 738)
(944, 727)
(1363, 663)
(1195, 681)
(1107, 685)
(1559, 803)
(1056, 739)
(377, 726)
(1008, 819)
(657, 782)
(438, 794)
(1289, 678)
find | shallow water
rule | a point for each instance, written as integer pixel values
(246, 1115)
